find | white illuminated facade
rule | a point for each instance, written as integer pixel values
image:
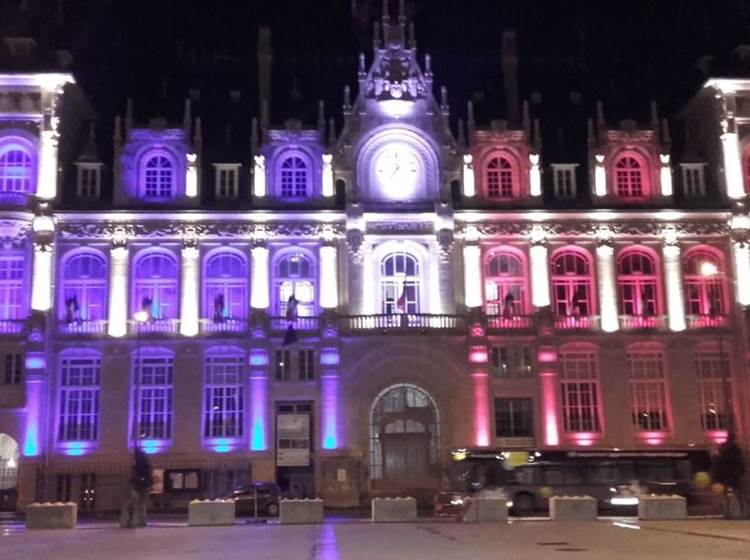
(382, 293)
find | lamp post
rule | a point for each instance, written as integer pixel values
(140, 317)
(710, 270)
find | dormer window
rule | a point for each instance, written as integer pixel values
(294, 178)
(227, 180)
(158, 176)
(693, 179)
(564, 180)
(89, 180)
(500, 178)
(630, 179)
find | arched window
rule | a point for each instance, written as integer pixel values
(704, 283)
(84, 290)
(12, 300)
(572, 285)
(15, 170)
(155, 285)
(294, 178)
(295, 276)
(400, 283)
(158, 177)
(499, 178)
(630, 179)
(225, 287)
(638, 283)
(505, 283)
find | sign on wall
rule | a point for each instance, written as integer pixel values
(293, 440)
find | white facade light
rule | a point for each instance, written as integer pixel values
(328, 190)
(600, 176)
(189, 293)
(468, 176)
(117, 323)
(41, 287)
(329, 285)
(535, 176)
(191, 176)
(732, 165)
(472, 276)
(742, 272)
(539, 276)
(259, 288)
(665, 175)
(43, 224)
(259, 176)
(605, 266)
(47, 178)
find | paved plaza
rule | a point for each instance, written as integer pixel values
(361, 540)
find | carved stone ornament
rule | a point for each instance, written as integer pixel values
(207, 230)
(400, 227)
(354, 239)
(445, 241)
(14, 233)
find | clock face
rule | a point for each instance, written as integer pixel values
(397, 169)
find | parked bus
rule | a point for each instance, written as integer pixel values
(614, 478)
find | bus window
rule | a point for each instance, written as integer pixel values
(525, 475)
(656, 472)
(604, 474)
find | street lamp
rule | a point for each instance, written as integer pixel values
(709, 269)
(140, 317)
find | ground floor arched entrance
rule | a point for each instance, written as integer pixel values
(9, 456)
(404, 438)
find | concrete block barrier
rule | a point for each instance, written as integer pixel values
(301, 511)
(572, 508)
(386, 510)
(486, 510)
(210, 512)
(48, 515)
(662, 508)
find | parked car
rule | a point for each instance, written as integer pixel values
(448, 504)
(267, 495)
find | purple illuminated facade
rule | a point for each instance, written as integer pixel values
(449, 285)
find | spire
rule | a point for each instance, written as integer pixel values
(198, 136)
(386, 15)
(537, 140)
(666, 138)
(470, 123)
(654, 117)
(117, 136)
(375, 35)
(90, 153)
(186, 116)
(264, 115)
(362, 69)
(599, 116)
(265, 61)
(590, 138)
(347, 98)
(412, 38)
(526, 120)
(321, 119)
(254, 137)
(331, 132)
(460, 138)
(128, 115)
(401, 11)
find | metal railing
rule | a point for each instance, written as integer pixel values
(12, 326)
(83, 327)
(515, 322)
(637, 322)
(402, 321)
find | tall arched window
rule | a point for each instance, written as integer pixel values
(704, 283)
(225, 287)
(84, 290)
(579, 387)
(505, 283)
(158, 177)
(638, 283)
(295, 276)
(400, 283)
(294, 178)
(499, 178)
(630, 180)
(155, 285)
(15, 169)
(572, 285)
(648, 387)
(12, 301)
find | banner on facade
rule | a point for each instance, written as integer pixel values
(293, 440)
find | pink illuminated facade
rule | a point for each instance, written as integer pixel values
(448, 285)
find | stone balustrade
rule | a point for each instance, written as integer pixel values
(304, 511)
(210, 512)
(57, 515)
(662, 508)
(572, 508)
(390, 510)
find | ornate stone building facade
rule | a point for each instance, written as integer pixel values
(345, 308)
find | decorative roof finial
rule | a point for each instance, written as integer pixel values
(321, 119)
(331, 131)
(386, 15)
(198, 135)
(254, 137)
(461, 139)
(401, 11)
(186, 117)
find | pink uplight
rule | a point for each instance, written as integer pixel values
(481, 409)
(549, 409)
(478, 355)
(585, 439)
(718, 436)
(653, 438)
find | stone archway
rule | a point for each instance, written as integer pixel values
(404, 438)
(9, 456)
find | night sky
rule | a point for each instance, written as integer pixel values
(624, 52)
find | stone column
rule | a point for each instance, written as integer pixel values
(117, 324)
(41, 286)
(259, 287)
(741, 258)
(605, 267)
(329, 274)
(355, 285)
(478, 360)
(673, 284)
(472, 274)
(190, 290)
(550, 390)
(445, 272)
(539, 269)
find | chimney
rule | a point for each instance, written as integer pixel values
(265, 58)
(510, 76)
